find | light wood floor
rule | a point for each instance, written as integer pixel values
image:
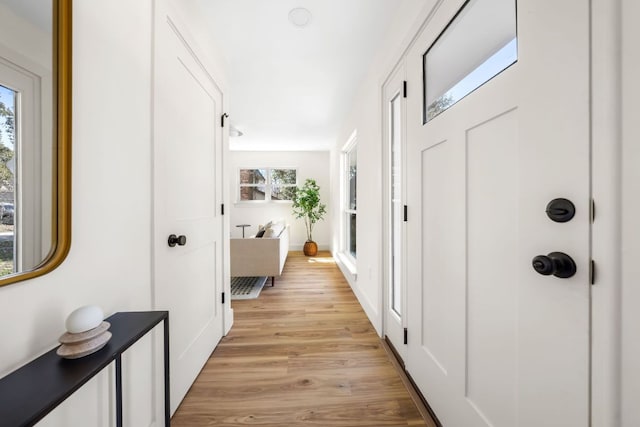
(302, 354)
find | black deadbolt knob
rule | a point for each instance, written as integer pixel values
(557, 263)
(561, 210)
(177, 240)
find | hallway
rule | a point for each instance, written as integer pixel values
(302, 354)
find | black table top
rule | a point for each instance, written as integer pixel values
(32, 391)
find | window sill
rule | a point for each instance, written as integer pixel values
(349, 263)
(263, 202)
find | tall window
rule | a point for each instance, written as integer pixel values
(350, 176)
(267, 184)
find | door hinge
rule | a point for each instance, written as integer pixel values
(222, 209)
(405, 213)
(592, 272)
(224, 116)
(593, 211)
(404, 89)
(405, 335)
(223, 297)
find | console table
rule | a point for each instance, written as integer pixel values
(34, 390)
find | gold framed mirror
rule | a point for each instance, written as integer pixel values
(35, 137)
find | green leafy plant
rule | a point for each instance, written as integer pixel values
(306, 205)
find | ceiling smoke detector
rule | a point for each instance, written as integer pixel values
(300, 17)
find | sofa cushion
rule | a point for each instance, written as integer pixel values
(274, 230)
(268, 233)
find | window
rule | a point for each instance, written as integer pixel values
(477, 45)
(350, 176)
(397, 206)
(267, 184)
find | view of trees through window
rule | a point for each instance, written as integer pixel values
(7, 180)
(350, 204)
(267, 184)
(283, 184)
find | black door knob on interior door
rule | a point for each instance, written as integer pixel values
(177, 240)
(557, 263)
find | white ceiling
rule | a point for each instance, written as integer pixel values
(38, 12)
(292, 87)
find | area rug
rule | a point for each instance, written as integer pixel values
(246, 287)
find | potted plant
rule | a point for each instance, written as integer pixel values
(306, 205)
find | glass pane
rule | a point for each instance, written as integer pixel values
(396, 206)
(479, 44)
(253, 176)
(353, 175)
(352, 234)
(255, 192)
(283, 176)
(282, 193)
(8, 128)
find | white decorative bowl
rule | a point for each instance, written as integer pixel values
(84, 319)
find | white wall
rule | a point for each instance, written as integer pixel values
(310, 164)
(111, 251)
(365, 117)
(109, 261)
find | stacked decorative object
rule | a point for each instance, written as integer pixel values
(86, 333)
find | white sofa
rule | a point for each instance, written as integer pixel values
(261, 256)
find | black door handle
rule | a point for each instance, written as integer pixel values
(557, 263)
(177, 240)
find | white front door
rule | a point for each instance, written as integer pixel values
(188, 196)
(394, 133)
(491, 341)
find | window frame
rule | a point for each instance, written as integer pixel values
(268, 184)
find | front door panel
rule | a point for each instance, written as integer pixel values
(491, 341)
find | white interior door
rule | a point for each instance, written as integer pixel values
(188, 195)
(491, 341)
(395, 290)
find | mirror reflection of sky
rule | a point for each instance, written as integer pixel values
(7, 97)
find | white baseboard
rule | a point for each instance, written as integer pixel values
(370, 310)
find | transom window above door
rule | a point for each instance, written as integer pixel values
(266, 184)
(477, 45)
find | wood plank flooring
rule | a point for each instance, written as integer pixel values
(302, 354)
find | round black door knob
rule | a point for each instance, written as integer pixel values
(557, 263)
(543, 265)
(177, 240)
